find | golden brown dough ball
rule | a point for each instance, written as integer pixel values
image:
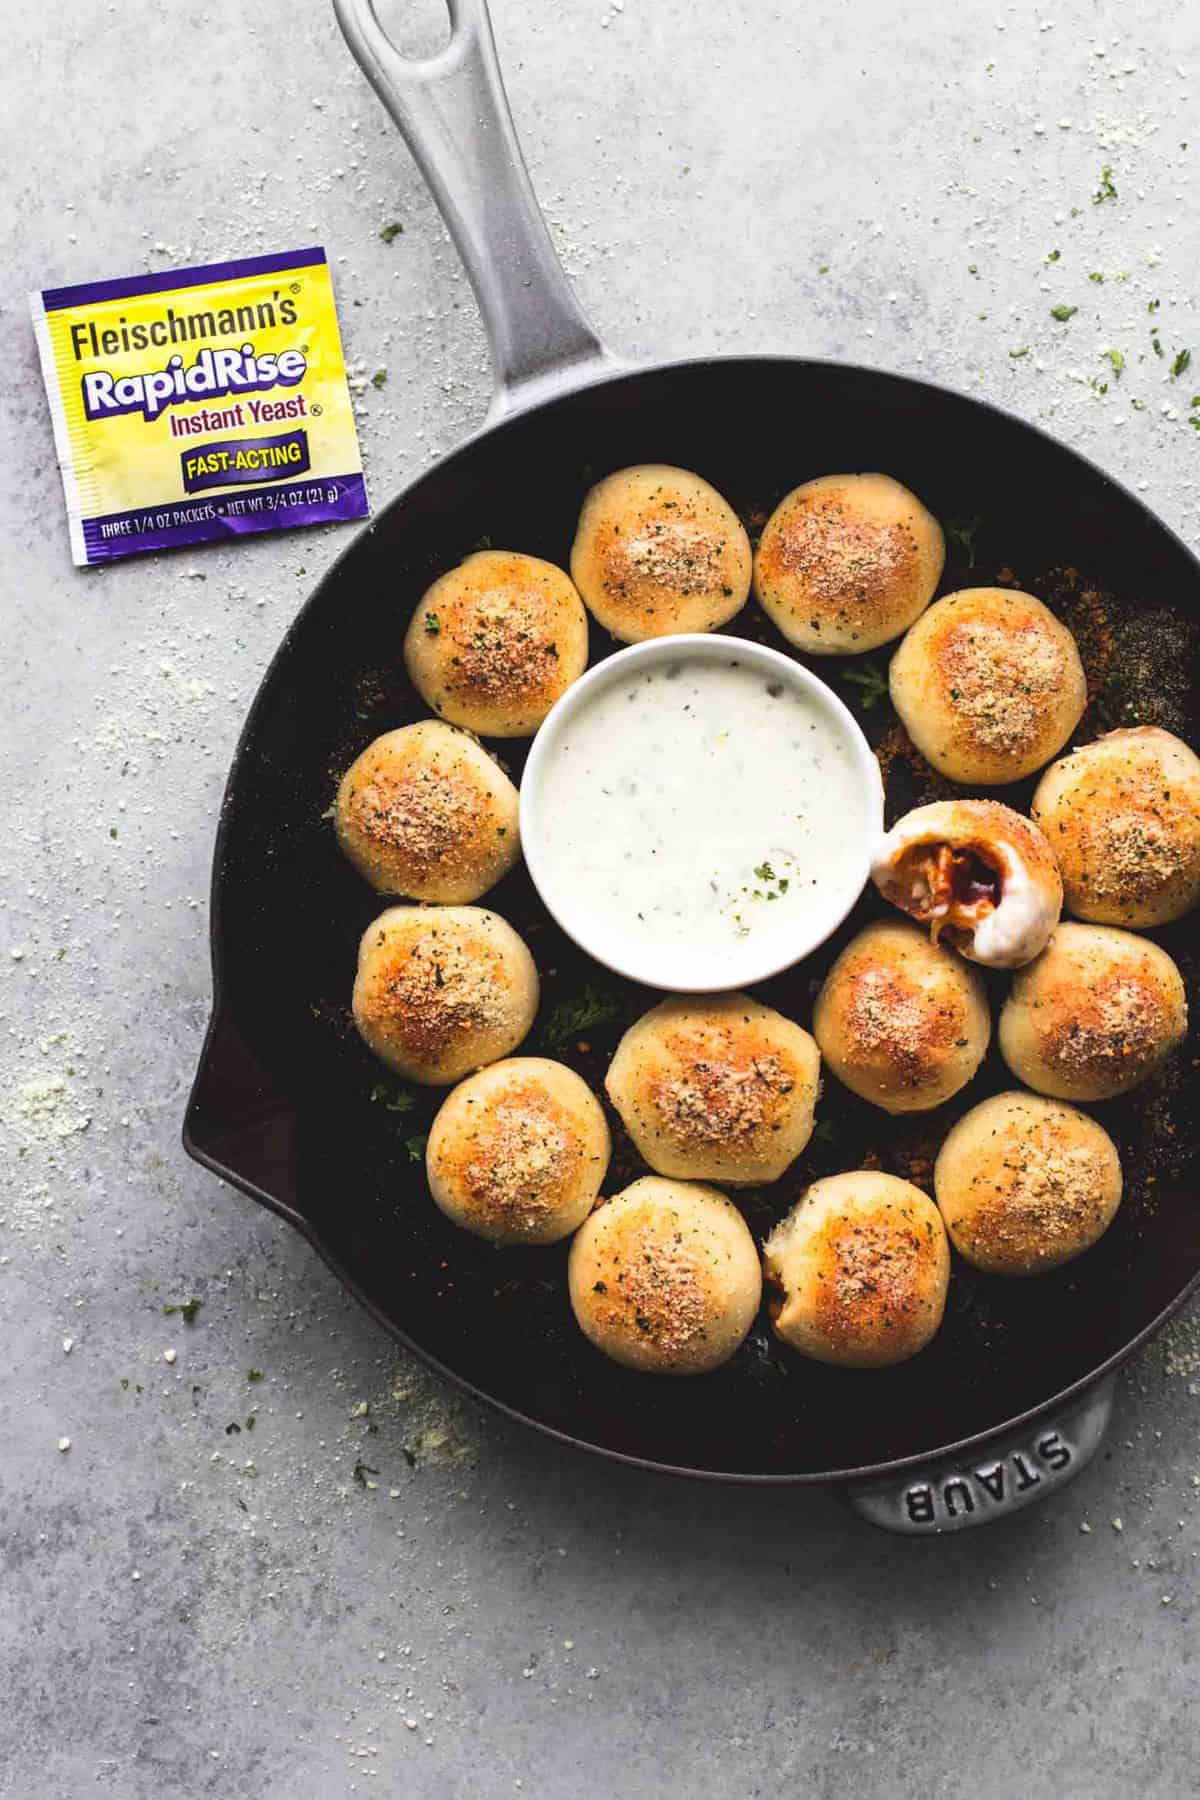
(716, 1088)
(989, 685)
(847, 562)
(494, 643)
(1026, 1184)
(978, 874)
(901, 1021)
(425, 812)
(665, 1277)
(1094, 1015)
(658, 551)
(517, 1152)
(1123, 815)
(859, 1269)
(441, 991)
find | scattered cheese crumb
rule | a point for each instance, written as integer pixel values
(64, 1443)
(168, 1356)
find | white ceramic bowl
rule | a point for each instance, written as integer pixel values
(670, 964)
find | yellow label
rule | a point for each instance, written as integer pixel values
(200, 404)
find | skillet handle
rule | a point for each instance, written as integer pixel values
(1009, 1472)
(455, 118)
(239, 1126)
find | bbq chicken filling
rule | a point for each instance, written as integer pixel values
(948, 888)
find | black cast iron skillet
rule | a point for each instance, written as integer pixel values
(288, 1105)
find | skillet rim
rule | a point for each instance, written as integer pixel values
(608, 377)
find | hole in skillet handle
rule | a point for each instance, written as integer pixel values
(1009, 1472)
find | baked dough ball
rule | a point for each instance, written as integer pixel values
(658, 551)
(494, 643)
(517, 1152)
(978, 874)
(901, 1022)
(716, 1088)
(425, 812)
(1094, 1015)
(441, 991)
(988, 685)
(847, 562)
(860, 1268)
(1026, 1184)
(1123, 815)
(665, 1277)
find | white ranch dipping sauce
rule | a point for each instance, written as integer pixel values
(701, 818)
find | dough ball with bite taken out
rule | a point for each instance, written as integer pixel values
(518, 1151)
(1123, 816)
(716, 1088)
(441, 991)
(496, 641)
(989, 685)
(426, 813)
(901, 1021)
(979, 875)
(847, 562)
(658, 551)
(1097, 1013)
(1026, 1184)
(857, 1272)
(664, 1277)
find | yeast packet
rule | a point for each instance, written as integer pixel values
(199, 404)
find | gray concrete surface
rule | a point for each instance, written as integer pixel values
(191, 1611)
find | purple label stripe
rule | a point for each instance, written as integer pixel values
(317, 501)
(240, 460)
(89, 292)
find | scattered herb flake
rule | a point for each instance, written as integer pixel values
(1095, 275)
(187, 1309)
(391, 231)
(1153, 306)
(416, 1146)
(963, 533)
(254, 1374)
(432, 624)
(871, 684)
(571, 1018)
(379, 378)
(1106, 190)
(1023, 351)
(397, 1100)
(1054, 256)
(1063, 313)
(1182, 361)
(1117, 359)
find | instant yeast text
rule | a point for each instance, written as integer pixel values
(199, 404)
